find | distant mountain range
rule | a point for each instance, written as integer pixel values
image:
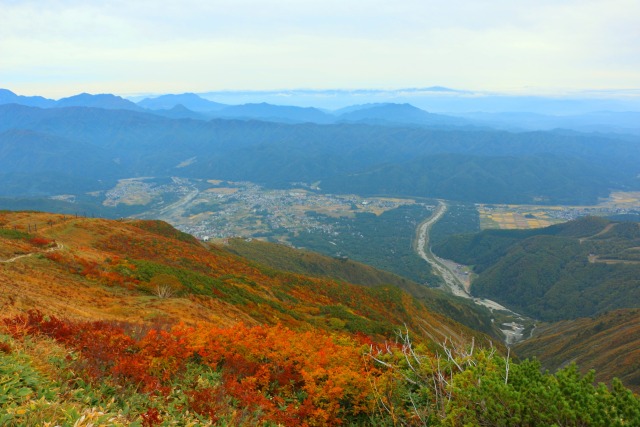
(275, 145)
(381, 114)
(190, 101)
(442, 100)
(106, 101)
(193, 106)
(396, 114)
(8, 97)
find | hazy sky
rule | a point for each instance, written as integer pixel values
(62, 47)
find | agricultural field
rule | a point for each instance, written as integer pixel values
(510, 217)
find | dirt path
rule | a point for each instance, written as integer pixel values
(599, 233)
(57, 247)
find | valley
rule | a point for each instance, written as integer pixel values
(512, 217)
(216, 209)
(457, 280)
(319, 214)
(243, 249)
(219, 209)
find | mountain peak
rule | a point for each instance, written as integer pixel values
(103, 100)
(6, 92)
(396, 113)
(189, 100)
(9, 97)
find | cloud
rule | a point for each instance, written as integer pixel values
(205, 45)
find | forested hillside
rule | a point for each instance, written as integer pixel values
(581, 268)
(384, 241)
(488, 165)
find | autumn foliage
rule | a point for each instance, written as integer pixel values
(257, 347)
(272, 373)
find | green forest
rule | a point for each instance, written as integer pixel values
(577, 269)
(385, 241)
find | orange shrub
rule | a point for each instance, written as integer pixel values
(273, 373)
(40, 241)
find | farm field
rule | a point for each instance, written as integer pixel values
(510, 217)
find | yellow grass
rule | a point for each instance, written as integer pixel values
(504, 217)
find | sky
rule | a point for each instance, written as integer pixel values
(58, 48)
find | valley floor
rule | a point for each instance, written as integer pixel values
(457, 281)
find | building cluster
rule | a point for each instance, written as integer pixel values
(254, 211)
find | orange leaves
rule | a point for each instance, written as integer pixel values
(294, 377)
(277, 374)
(109, 272)
(40, 241)
(54, 256)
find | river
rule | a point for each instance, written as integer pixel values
(458, 283)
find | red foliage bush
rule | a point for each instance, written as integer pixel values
(54, 256)
(208, 401)
(278, 375)
(151, 418)
(40, 241)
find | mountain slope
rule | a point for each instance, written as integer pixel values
(36, 163)
(101, 269)
(582, 268)
(310, 263)
(523, 179)
(105, 100)
(31, 152)
(608, 343)
(397, 114)
(180, 112)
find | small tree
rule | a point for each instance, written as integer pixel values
(165, 286)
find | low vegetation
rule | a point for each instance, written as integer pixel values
(88, 373)
(313, 264)
(144, 327)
